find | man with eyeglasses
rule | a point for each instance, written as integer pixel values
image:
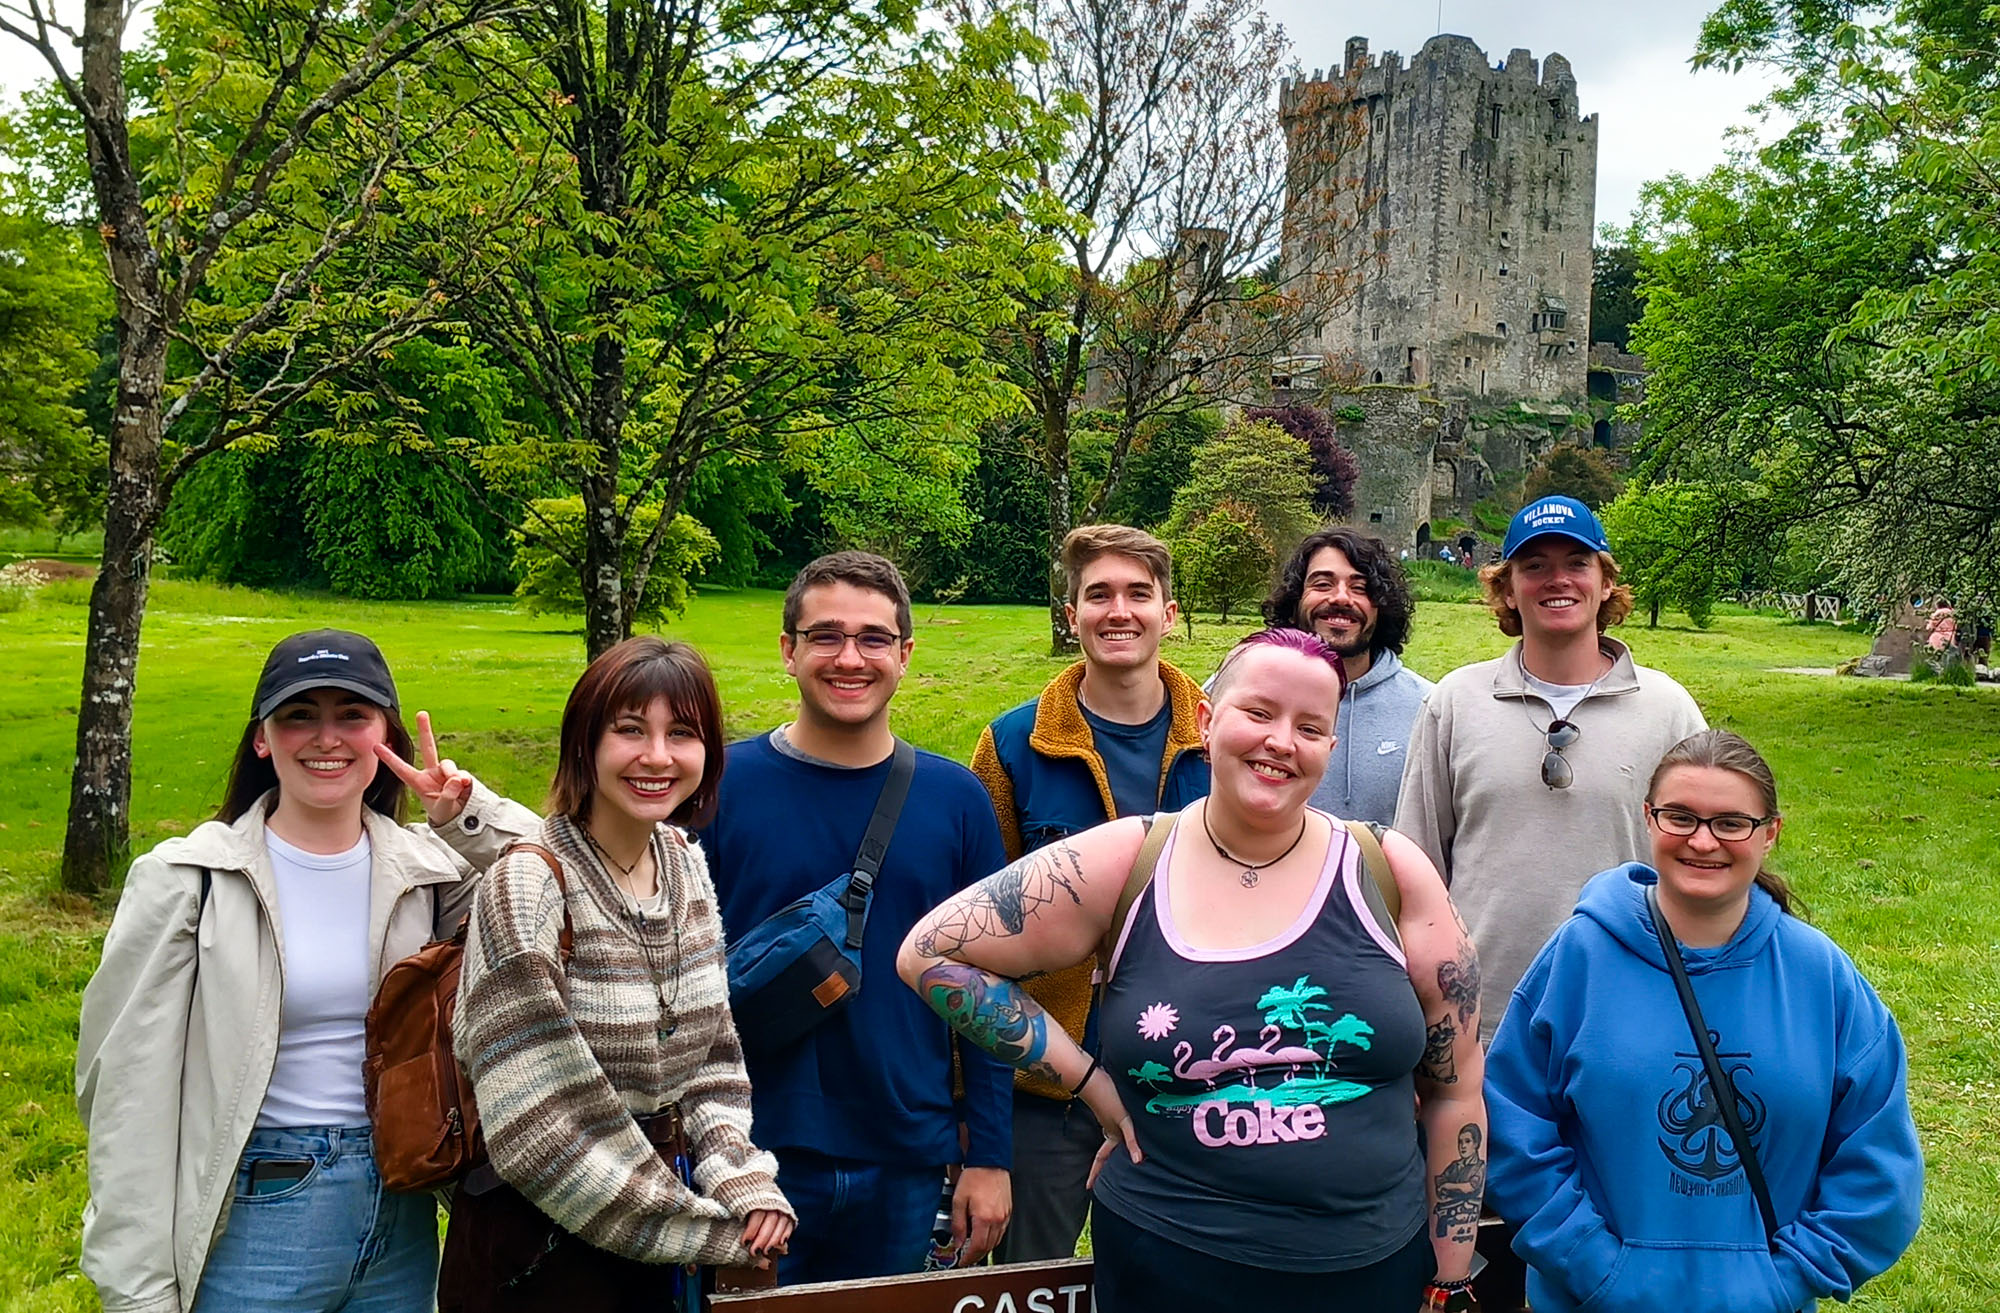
(1527, 773)
(861, 1111)
(1113, 735)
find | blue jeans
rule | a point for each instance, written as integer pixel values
(856, 1219)
(332, 1240)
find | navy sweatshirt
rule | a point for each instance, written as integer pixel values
(874, 1082)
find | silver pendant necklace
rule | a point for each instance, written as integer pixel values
(1248, 879)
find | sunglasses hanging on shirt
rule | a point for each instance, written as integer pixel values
(1556, 770)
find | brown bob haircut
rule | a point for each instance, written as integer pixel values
(1091, 541)
(630, 677)
(863, 570)
(1495, 579)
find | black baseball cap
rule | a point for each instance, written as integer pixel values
(323, 658)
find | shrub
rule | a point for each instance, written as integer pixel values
(550, 583)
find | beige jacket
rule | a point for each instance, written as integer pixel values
(179, 1032)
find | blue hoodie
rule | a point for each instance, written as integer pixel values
(1628, 1196)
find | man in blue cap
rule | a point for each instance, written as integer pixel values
(1526, 774)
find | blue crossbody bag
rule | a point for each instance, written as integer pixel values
(802, 964)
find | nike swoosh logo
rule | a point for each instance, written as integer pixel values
(1387, 746)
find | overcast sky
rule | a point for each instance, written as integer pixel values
(1654, 113)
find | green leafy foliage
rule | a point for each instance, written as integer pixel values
(1616, 298)
(1224, 561)
(1262, 471)
(1666, 540)
(550, 582)
(53, 302)
(1568, 470)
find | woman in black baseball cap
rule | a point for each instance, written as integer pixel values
(220, 1046)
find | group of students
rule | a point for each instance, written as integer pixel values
(1251, 1045)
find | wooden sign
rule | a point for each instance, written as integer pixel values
(1063, 1287)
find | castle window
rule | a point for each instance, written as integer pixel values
(1494, 120)
(1375, 333)
(1501, 327)
(1503, 271)
(1468, 362)
(1378, 376)
(1562, 259)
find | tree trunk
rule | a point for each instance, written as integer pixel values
(100, 791)
(604, 620)
(1055, 458)
(1653, 615)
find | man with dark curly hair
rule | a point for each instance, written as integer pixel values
(1347, 587)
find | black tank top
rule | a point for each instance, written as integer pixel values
(1271, 1087)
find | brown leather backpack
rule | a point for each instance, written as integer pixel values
(419, 1100)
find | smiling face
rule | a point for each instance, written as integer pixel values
(1335, 604)
(1270, 729)
(1699, 869)
(650, 760)
(322, 745)
(1558, 586)
(1120, 613)
(846, 689)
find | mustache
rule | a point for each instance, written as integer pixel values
(1338, 609)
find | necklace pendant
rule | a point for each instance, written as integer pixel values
(1248, 879)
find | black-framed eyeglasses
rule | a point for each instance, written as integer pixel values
(1556, 770)
(1730, 827)
(828, 640)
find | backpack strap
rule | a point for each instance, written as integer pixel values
(566, 937)
(1159, 826)
(1380, 892)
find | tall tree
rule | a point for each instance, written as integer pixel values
(52, 304)
(1167, 202)
(782, 243)
(1616, 299)
(244, 171)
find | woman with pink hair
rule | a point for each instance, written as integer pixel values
(1282, 1173)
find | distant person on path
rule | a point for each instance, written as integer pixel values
(218, 1060)
(1343, 585)
(1267, 1030)
(860, 1110)
(1608, 1150)
(601, 1077)
(1941, 630)
(1113, 735)
(1526, 772)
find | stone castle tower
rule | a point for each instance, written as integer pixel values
(1475, 253)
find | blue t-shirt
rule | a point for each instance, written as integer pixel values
(874, 1082)
(1133, 756)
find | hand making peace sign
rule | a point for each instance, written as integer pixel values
(441, 786)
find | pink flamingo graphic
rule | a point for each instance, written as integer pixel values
(1206, 1071)
(1291, 1056)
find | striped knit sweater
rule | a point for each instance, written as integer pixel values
(562, 1066)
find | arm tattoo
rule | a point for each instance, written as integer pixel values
(1460, 1188)
(1001, 904)
(992, 1012)
(1459, 982)
(1438, 1065)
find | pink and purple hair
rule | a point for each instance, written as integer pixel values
(1304, 642)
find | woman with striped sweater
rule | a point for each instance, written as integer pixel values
(610, 1085)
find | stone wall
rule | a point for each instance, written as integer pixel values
(1394, 439)
(1617, 378)
(1480, 187)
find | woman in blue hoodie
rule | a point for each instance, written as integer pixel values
(1607, 1149)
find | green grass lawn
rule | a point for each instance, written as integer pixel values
(1888, 788)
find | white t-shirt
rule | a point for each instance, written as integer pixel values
(1562, 698)
(323, 928)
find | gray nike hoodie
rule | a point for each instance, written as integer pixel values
(1372, 735)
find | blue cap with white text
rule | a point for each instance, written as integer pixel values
(1566, 517)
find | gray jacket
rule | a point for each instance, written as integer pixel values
(1372, 736)
(179, 1031)
(1515, 852)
